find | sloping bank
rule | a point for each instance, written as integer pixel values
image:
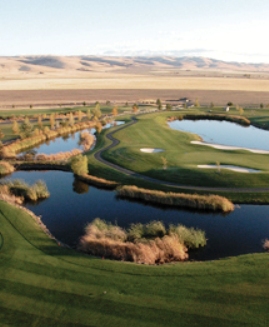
(193, 201)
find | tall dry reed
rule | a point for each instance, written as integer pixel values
(194, 201)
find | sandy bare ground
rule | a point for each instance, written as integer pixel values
(54, 97)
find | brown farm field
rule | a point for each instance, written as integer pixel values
(47, 98)
(48, 81)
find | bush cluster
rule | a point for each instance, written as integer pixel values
(149, 243)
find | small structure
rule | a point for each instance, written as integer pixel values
(227, 108)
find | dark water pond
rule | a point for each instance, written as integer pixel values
(68, 142)
(73, 204)
(225, 133)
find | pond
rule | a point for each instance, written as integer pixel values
(225, 133)
(67, 142)
(73, 204)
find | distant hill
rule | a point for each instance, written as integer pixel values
(43, 64)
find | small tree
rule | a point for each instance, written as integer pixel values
(15, 127)
(79, 115)
(39, 121)
(135, 108)
(168, 106)
(71, 119)
(164, 161)
(212, 105)
(115, 111)
(98, 127)
(26, 128)
(84, 103)
(89, 115)
(52, 121)
(96, 111)
(108, 103)
(196, 103)
(229, 104)
(159, 104)
(79, 165)
(261, 106)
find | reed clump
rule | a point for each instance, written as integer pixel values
(148, 243)
(6, 195)
(6, 168)
(21, 189)
(96, 181)
(60, 156)
(193, 201)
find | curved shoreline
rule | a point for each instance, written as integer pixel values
(115, 142)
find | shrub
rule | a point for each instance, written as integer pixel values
(79, 165)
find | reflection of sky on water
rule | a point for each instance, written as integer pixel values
(66, 142)
(72, 205)
(226, 133)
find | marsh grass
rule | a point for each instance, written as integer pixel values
(193, 238)
(21, 189)
(6, 168)
(149, 243)
(194, 201)
(97, 181)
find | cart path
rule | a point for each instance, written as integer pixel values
(115, 142)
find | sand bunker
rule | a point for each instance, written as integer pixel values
(227, 147)
(151, 150)
(230, 167)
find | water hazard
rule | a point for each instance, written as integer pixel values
(225, 133)
(73, 204)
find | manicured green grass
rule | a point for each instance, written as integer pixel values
(43, 284)
(151, 131)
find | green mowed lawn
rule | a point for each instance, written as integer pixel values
(152, 131)
(44, 284)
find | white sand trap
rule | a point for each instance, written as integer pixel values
(230, 167)
(228, 147)
(151, 150)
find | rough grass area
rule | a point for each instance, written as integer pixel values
(21, 189)
(43, 284)
(193, 201)
(150, 243)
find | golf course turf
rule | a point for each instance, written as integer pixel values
(44, 284)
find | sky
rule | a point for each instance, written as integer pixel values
(230, 30)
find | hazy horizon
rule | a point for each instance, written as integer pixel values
(233, 31)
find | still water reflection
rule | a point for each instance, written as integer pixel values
(73, 204)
